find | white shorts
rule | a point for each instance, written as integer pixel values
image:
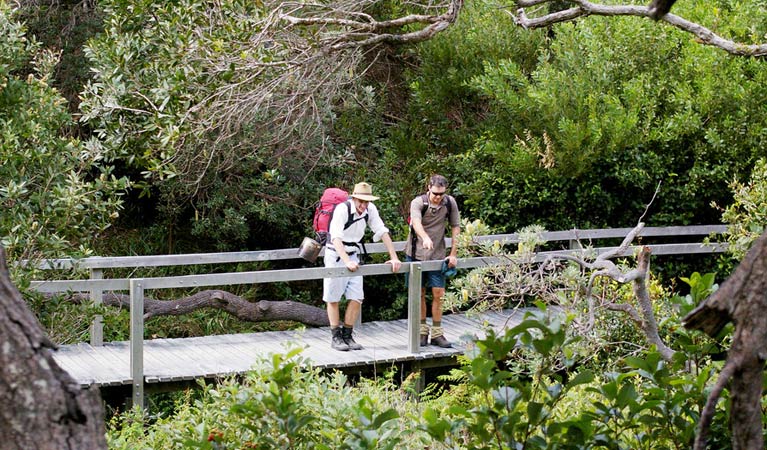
(334, 288)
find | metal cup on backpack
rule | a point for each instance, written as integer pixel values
(309, 249)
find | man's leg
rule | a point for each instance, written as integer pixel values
(336, 331)
(355, 294)
(436, 303)
(334, 315)
(332, 290)
(437, 333)
(352, 312)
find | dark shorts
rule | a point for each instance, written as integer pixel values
(432, 279)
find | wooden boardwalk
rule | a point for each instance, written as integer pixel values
(177, 360)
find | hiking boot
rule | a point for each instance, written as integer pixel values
(350, 343)
(338, 342)
(438, 338)
(440, 341)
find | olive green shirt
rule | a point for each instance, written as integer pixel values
(434, 220)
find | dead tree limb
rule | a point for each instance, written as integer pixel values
(585, 8)
(742, 299)
(639, 278)
(261, 311)
(43, 407)
(365, 31)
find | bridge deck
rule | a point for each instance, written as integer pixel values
(172, 360)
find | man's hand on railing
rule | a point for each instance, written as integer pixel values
(395, 264)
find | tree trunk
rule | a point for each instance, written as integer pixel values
(260, 311)
(741, 299)
(42, 406)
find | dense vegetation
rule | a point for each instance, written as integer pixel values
(191, 137)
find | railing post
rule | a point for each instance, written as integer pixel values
(97, 326)
(414, 307)
(137, 341)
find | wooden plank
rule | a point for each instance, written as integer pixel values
(168, 360)
(175, 361)
(209, 362)
(245, 349)
(70, 361)
(228, 357)
(101, 373)
(386, 335)
(117, 360)
(85, 366)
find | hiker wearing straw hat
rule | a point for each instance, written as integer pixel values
(347, 228)
(429, 213)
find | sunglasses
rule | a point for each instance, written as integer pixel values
(438, 194)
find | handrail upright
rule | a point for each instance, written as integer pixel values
(414, 306)
(97, 326)
(137, 341)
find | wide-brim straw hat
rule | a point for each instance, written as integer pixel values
(364, 191)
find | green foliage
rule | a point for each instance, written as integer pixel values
(64, 27)
(746, 216)
(56, 193)
(698, 347)
(443, 114)
(281, 404)
(643, 403)
(234, 129)
(526, 388)
(579, 127)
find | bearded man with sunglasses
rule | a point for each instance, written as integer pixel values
(429, 215)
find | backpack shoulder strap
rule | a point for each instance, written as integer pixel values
(450, 200)
(413, 236)
(425, 201)
(350, 217)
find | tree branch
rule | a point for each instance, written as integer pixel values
(639, 277)
(261, 311)
(585, 8)
(708, 411)
(357, 33)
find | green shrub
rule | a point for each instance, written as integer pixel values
(56, 193)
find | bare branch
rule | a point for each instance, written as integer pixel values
(586, 8)
(708, 411)
(639, 277)
(261, 311)
(626, 309)
(624, 245)
(356, 33)
(647, 208)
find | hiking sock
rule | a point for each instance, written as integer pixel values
(424, 332)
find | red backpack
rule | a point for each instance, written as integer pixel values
(323, 212)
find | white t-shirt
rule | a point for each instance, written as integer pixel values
(356, 231)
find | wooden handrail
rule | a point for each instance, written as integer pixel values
(316, 273)
(115, 262)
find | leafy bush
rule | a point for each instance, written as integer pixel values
(747, 215)
(56, 193)
(527, 388)
(281, 404)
